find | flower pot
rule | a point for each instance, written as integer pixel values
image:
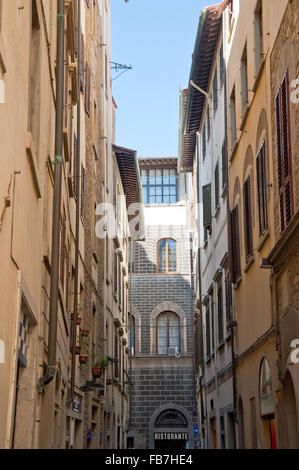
(84, 333)
(108, 381)
(97, 371)
(83, 358)
(78, 321)
(78, 350)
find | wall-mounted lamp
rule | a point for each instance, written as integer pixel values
(265, 264)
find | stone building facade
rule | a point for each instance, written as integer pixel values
(284, 257)
(162, 403)
(37, 412)
(204, 152)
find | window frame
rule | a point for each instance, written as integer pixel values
(146, 187)
(168, 314)
(167, 264)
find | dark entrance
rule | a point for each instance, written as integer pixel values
(171, 431)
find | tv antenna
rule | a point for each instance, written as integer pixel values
(117, 67)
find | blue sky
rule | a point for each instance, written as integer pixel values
(157, 38)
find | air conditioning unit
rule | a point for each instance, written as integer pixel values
(173, 351)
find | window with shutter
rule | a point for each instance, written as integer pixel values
(215, 91)
(244, 80)
(233, 118)
(81, 65)
(115, 272)
(207, 206)
(213, 323)
(204, 143)
(262, 189)
(87, 92)
(247, 218)
(228, 298)
(217, 185)
(235, 245)
(75, 176)
(62, 252)
(116, 356)
(224, 165)
(83, 187)
(208, 333)
(284, 157)
(220, 314)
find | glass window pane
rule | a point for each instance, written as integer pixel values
(174, 331)
(158, 176)
(159, 190)
(152, 199)
(152, 177)
(144, 195)
(144, 177)
(162, 256)
(172, 190)
(166, 190)
(165, 176)
(172, 264)
(166, 200)
(162, 334)
(158, 199)
(172, 179)
(173, 200)
(152, 191)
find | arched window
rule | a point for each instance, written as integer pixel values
(167, 256)
(168, 333)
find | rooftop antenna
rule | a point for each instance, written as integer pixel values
(117, 67)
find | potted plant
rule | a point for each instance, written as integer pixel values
(78, 349)
(97, 370)
(108, 381)
(84, 333)
(104, 363)
(83, 358)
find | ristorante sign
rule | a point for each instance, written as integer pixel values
(171, 436)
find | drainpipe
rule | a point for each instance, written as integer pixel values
(77, 195)
(58, 165)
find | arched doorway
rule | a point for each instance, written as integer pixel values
(267, 405)
(171, 428)
(290, 413)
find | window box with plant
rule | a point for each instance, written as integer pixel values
(98, 367)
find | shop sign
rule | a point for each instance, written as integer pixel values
(171, 436)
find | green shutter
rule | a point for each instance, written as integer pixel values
(207, 206)
(217, 186)
(208, 334)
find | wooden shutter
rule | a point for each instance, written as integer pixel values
(83, 187)
(75, 176)
(87, 90)
(220, 314)
(115, 272)
(224, 165)
(235, 245)
(116, 356)
(62, 252)
(284, 159)
(247, 217)
(81, 65)
(228, 298)
(262, 189)
(75, 10)
(217, 185)
(207, 206)
(208, 333)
